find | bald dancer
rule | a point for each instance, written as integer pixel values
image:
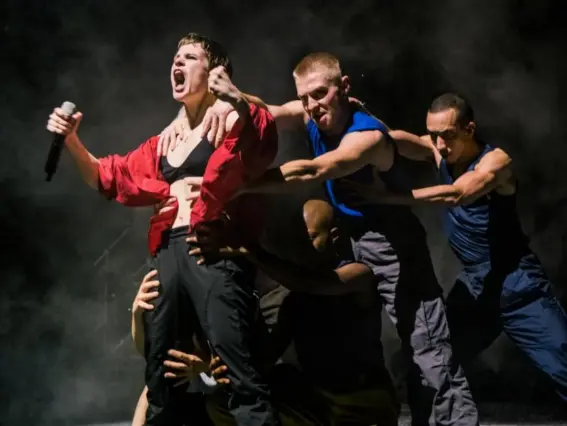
(332, 316)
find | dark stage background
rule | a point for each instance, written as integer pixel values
(71, 261)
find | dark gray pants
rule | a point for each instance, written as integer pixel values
(414, 302)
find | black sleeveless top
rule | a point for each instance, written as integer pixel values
(487, 230)
(194, 164)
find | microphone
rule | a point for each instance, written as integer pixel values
(54, 155)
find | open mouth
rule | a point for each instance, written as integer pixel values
(178, 78)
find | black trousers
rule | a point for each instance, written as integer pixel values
(218, 299)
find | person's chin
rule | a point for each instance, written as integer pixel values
(179, 96)
(323, 123)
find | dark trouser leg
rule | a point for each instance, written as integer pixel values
(297, 400)
(415, 304)
(193, 410)
(538, 326)
(224, 299)
(299, 403)
(165, 326)
(474, 322)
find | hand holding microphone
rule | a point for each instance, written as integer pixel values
(62, 122)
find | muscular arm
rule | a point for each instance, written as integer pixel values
(355, 151)
(412, 146)
(491, 172)
(346, 279)
(289, 116)
(87, 163)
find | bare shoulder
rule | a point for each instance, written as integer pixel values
(495, 161)
(500, 154)
(499, 164)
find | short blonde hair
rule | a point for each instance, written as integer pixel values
(319, 61)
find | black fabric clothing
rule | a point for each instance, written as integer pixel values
(220, 299)
(194, 165)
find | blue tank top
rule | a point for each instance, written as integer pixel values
(487, 231)
(358, 122)
(395, 178)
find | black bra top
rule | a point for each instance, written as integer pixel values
(194, 164)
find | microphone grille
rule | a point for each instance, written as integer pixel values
(68, 108)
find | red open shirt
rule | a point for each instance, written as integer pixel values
(247, 151)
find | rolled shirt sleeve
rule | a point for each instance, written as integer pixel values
(132, 179)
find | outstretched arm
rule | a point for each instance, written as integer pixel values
(114, 176)
(414, 147)
(317, 280)
(346, 279)
(289, 116)
(355, 151)
(491, 172)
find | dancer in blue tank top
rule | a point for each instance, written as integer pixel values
(502, 286)
(347, 142)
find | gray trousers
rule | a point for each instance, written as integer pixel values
(414, 302)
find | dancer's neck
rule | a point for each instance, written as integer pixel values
(196, 108)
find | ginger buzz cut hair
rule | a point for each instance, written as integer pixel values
(319, 61)
(216, 53)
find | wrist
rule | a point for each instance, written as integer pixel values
(72, 139)
(136, 313)
(241, 106)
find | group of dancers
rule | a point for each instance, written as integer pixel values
(215, 344)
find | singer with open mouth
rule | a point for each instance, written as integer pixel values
(220, 294)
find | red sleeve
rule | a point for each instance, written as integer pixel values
(246, 153)
(132, 179)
